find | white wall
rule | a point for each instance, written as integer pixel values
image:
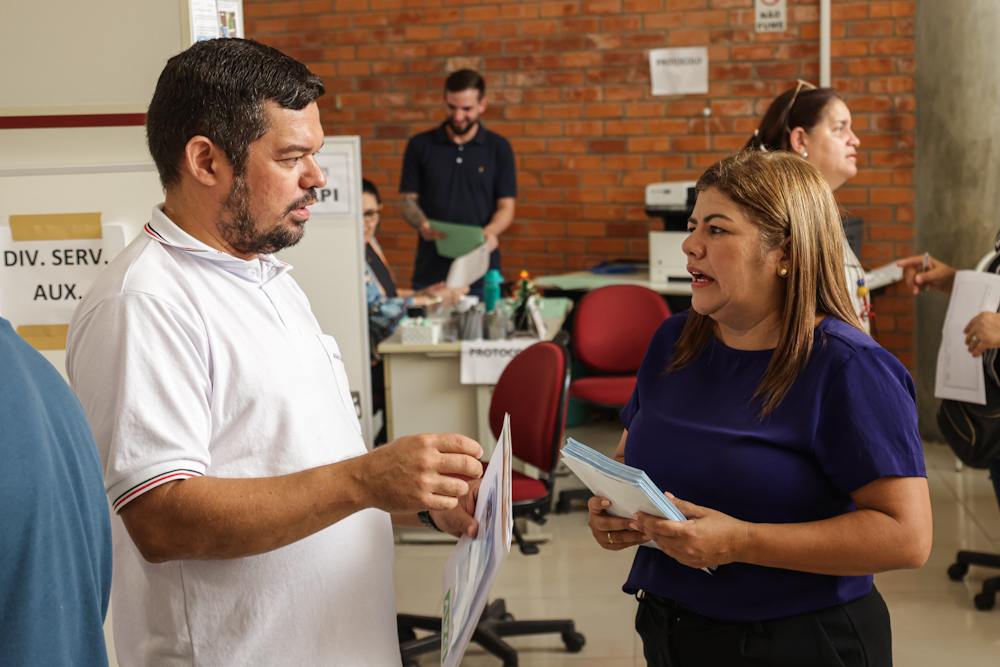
(92, 56)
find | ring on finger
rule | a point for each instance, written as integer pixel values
(974, 338)
(610, 541)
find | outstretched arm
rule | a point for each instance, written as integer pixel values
(414, 216)
(891, 529)
(217, 518)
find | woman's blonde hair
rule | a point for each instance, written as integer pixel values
(784, 196)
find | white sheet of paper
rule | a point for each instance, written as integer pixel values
(960, 376)
(473, 565)
(886, 274)
(469, 268)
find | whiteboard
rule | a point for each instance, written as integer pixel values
(327, 263)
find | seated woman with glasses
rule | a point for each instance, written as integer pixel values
(815, 123)
(790, 435)
(387, 304)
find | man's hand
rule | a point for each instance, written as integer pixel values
(412, 473)
(707, 539)
(611, 532)
(492, 240)
(938, 276)
(458, 521)
(983, 333)
(428, 233)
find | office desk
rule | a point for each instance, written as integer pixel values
(424, 392)
(585, 281)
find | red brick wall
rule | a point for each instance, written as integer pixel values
(568, 85)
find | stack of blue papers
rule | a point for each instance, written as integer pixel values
(629, 489)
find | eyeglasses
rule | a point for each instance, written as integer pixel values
(795, 95)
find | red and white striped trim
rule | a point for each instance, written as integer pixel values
(151, 483)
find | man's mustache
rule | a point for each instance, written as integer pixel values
(307, 200)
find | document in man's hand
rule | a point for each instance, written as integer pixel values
(460, 240)
(469, 573)
(629, 489)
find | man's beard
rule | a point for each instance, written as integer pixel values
(242, 233)
(472, 125)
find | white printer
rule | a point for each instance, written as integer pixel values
(674, 203)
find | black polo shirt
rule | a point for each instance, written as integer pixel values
(459, 184)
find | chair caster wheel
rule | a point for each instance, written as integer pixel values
(985, 601)
(574, 641)
(958, 571)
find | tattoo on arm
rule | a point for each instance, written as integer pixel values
(411, 211)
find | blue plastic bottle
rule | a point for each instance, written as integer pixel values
(491, 290)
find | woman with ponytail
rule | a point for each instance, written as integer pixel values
(815, 124)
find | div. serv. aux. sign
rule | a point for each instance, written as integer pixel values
(770, 16)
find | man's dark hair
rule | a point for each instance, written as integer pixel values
(465, 79)
(369, 187)
(217, 89)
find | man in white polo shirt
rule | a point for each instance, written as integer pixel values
(251, 527)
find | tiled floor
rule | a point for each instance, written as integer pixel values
(933, 619)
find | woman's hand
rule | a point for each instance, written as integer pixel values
(611, 532)
(708, 538)
(938, 276)
(983, 333)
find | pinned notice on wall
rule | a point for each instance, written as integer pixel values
(335, 197)
(770, 16)
(682, 71)
(211, 19)
(49, 261)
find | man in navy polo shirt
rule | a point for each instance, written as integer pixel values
(459, 172)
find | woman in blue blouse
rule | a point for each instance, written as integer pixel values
(786, 435)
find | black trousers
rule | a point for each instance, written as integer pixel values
(855, 634)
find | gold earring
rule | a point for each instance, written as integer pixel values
(783, 273)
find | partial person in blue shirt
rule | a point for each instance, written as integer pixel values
(387, 304)
(785, 434)
(55, 535)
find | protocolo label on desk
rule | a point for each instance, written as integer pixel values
(484, 360)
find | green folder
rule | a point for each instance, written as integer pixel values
(462, 239)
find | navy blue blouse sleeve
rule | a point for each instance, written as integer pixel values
(656, 360)
(867, 427)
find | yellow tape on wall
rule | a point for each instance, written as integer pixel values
(55, 226)
(44, 336)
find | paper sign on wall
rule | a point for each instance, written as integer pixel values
(49, 261)
(770, 16)
(335, 197)
(211, 19)
(682, 71)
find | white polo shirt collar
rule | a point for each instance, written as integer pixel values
(260, 271)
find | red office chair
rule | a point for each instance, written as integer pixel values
(534, 390)
(612, 330)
